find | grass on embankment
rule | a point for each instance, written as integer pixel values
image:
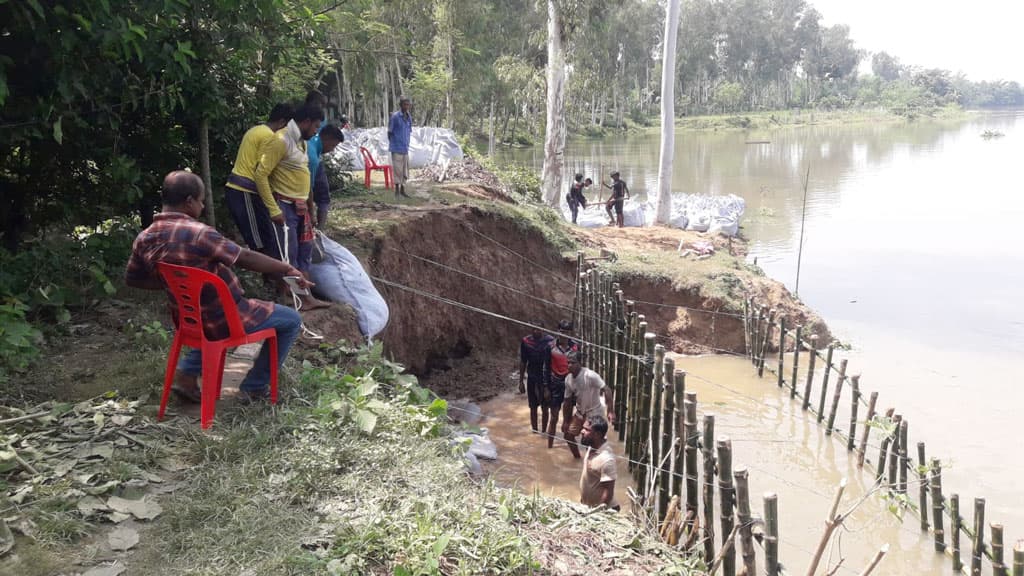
(800, 117)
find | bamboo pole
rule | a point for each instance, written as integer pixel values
(824, 383)
(922, 493)
(667, 431)
(755, 310)
(1018, 559)
(810, 373)
(851, 439)
(708, 452)
(761, 324)
(576, 296)
(883, 451)
(746, 327)
(835, 398)
(771, 533)
(627, 413)
(645, 415)
(867, 430)
(782, 349)
(797, 344)
(679, 440)
(935, 485)
(954, 530)
(657, 389)
(744, 517)
(998, 567)
(894, 454)
(904, 463)
(620, 378)
(692, 490)
(727, 498)
(874, 561)
(765, 341)
(979, 536)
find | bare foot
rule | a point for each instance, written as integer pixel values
(311, 303)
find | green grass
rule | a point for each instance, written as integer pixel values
(780, 118)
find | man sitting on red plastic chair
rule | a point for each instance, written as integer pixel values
(177, 237)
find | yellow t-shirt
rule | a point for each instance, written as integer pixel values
(283, 168)
(249, 156)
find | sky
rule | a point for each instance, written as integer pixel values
(981, 38)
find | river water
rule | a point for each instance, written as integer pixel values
(910, 256)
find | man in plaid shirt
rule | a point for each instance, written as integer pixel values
(177, 237)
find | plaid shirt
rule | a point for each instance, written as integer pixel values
(177, 238)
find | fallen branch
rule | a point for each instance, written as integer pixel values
(23, 418)
(21, 461)
(874, 561)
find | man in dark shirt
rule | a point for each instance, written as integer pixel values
(575, 197)
(620, 193)
(535, 365)
(177, 237)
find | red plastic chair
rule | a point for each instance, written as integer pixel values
(186, 284)
(371, 165)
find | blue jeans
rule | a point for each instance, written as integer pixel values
(285, 321)
(299, 254)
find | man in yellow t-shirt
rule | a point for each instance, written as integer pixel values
(248, 212)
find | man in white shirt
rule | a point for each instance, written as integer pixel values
(597, 479)
(585, 395)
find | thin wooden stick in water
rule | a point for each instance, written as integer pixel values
(1018, 559)
(810, 373)
(883, 451)
(667, 432)
(797, 344)
(835, 398)
(904, 459)
(979, 536)
(743, 516)
(691, 435)
(922, 477)
(771, 533)
(765, 341)
(832, 521)
(935, 484)
(867, 430)
(874, 561)
(708, 453)
(998, 567)
(954, 530)
(727, 497)
(854, 405)
(824, 383)
(894, 454)
(782, 349)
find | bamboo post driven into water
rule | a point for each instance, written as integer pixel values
(760, 324)
(797, 344)
(690, 406)
(835, 398)
(894, 455)
(824, 382)
(727, 499)
(998, 567)
(746, 328)
(743, 516)
(765, 341)
(867, 431)
(810, 373)
(922, 494)
(668, 419)
(657, 395)
(935, 485)
(638, 383)
(904, 463)
(576, 295)
(645, 415)
(979, 536)
(954, 531)
(771, 533)
(1018, 559)
(708, 452)
(679, 438)
(627, 416)
(883, 451)
(851, 439)
(782, 349)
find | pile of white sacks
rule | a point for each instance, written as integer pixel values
(428, 145)
(696, 212)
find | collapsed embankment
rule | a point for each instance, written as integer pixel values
(463, 277)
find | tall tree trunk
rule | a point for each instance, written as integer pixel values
(554, 130)
(204, 169)
(490, 131)
(668, 128)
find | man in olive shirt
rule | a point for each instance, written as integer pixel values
(586, 396)
(597, 479)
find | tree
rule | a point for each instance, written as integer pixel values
(668, 100)
(886, 67)
(554, 129)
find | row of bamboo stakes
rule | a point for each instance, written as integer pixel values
(657, 424)
(894, 464)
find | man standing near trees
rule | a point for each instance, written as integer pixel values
(399, 135)
(330, 136)
(282, 178)
(178, 237)
(251, 215)
(585, 392)
(620, 193)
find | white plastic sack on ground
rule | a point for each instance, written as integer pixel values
(428, 145)
(339, 277)
(634, 214)
(480, 445)
(715, 214)
(473, 464)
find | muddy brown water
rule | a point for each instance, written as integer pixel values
(910, 254)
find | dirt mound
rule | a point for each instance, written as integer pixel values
(339, 322)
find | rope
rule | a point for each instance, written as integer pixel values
(488, 238)
(714, 312)
(296, 301)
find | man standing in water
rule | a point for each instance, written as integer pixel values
(559, 370)
(575, 197)
(597, 479)
(620, 193)
(399, 135)
(535, 365)
(585, 392)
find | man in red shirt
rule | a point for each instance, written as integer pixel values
(559, 370)
(178, 237)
